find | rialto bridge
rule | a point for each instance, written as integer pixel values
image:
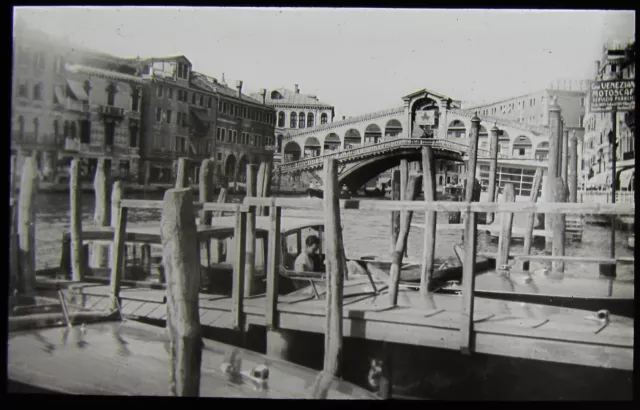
(370, 144)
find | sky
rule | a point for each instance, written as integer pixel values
(359, 60)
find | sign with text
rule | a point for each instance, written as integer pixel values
(607, 94)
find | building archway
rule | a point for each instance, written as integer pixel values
(230, 166)
(242, 169)
(372, 134)
(332, 142)
(425, 114)
(456, 130)
(393, 128)
(352, 139)
(292, 151)
(311, 147)
(522, 147)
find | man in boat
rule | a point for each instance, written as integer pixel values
(308, 260)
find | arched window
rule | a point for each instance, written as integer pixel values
(36, 128)
(276, 95)
(111, 94)
(72, 129)
(294, 120)
(21, 126)
(302, 117)
(323, 118)
(440, 180)
(310, 120)
(37, 91)
(281, 119)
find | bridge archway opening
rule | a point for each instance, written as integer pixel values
(292, 151)
(242, 169)
(352, 139)
(372, 134)
(230, 166)
(503, 143)
(542, 151)
(425, 114)
(311, 147)
(522, 147)
(456, 130)
(393, 128)
(332, 143)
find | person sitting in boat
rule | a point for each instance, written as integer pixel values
(308, 260)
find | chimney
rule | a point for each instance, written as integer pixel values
(597, 68)
(297, 90)
(239, 88)
(263, 93)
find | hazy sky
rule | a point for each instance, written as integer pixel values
(359, 60)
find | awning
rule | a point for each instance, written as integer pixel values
(59, 93)
(200, 120)
(625, 178)
(599, 181)
(78, 90)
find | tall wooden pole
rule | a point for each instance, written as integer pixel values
(395, 215)
(102, 211)
(206, 189)
(565, 153)
(251, 232)
(493, 168)
(75, 194)
(531, 218)
(573, 168)
(430, 218)
(27, 226)
(404, 179)
(555, 142)
(182, 175)
(559, 190)
(506, 225)
(182, 269)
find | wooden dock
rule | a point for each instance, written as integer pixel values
(507, 328)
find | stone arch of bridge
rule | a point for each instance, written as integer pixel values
(352, 138)
(359, 174)
(292, 151)
(393, 128)
(331, 142)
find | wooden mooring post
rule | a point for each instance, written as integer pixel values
(335, 280)
(554, 160)
(102, 212)
(27, 227)
(404, 180)
(264, 184)
(205, 194)
(493, 168)
(573, 168)
(531, 220)
(401, 246)
(75, 199)
(250, 261)
(182, 268)
(470, 243)
(182, 176)
(559, 192)
(119, 219)
(506, 225)
(430, 219)
(395, 215)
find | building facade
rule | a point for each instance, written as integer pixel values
(617, 62)
(296, 111)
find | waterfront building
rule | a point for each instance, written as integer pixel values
(617, 62)
(296, 111)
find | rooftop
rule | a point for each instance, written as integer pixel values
(210, 84)
(292, 98)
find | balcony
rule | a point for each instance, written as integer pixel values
(111, 111)
(77, 106)
(135, 115)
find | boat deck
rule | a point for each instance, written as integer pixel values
(503, 328)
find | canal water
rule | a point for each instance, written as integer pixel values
(418, 371)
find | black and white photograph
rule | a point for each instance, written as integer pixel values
(322, 203)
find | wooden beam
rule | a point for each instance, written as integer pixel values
(237, 294)
(273, 261)
(250, 261)
(429, 247)
(182, 269)
(206, 189)
(395, 215)
(75, 197)
(531, 218)
(102, 211)
(118, 257)
(182, 174)
(27, 226)
(506, 225)
(559, 191)
(468, 283)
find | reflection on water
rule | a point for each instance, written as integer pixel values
(365, 233)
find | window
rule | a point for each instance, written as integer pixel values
(124, 168)
(160, 91)
(226, 109)
(244, 114)
(323, 118)
(218, 133)
(21, 126)
(520, 151)
(582, 102)
(133, 137)
(22, 89)
(85, 131)
(294, 120)
(201, 100)
(219, 156)
(23, 56)
(37, 92)
(135, 99)
(168, 116)
(581, 120)
(109, 133)
(209, 102)
(223, 136)
(181, 144)
(36, 128)
(158, 114)
(170, 90)
(179, 95)
(310, 120)
(236, 110)
(111, 94)
(186, 96)
(302, 118)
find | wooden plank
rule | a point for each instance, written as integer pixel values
(198, 206)
(506, 225)
(493, 168)
(577, 259)
(145, 309)
(531, 218)
(102, 211)
(273, 261)
(75, 198)
(239, 269)
(438, 206)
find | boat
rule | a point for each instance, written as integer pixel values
(100, 353)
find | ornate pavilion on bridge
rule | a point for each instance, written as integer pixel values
(366, 145)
